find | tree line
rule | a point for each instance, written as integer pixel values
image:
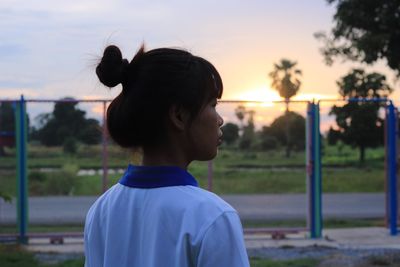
(65, 126)
(245, 136)
(357, 123)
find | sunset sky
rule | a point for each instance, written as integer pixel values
(48, 49)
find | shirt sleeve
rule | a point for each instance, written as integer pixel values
(223, 243)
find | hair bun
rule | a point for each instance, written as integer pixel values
(111, 67)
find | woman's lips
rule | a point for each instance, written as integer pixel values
(219, 142)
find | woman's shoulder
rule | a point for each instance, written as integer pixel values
(214, 198)
(201, 199)
(206, 210)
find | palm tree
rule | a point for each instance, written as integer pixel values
(285, 80)
(240, 112)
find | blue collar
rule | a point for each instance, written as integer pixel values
(153, 177)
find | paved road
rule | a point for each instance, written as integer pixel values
(63, 210)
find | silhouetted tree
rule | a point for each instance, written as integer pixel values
(7, 123)
(248, 134)
(333, 136)
(65, 122)
(231, 133)
(246, 131)
(285, 79)
(365, 31)
(359, 123)
(267, 140)
(240, 112)
(278, 129)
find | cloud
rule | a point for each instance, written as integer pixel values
(9, 51)
(18, 83)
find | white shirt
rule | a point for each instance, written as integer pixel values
(173, 226)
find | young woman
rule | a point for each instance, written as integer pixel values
(157, 216)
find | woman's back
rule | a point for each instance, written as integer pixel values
(167, 226)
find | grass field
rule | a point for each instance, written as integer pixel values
(14, 256)
(235, 172)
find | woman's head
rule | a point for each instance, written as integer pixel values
(152, 83)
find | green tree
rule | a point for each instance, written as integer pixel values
(91, 133)
(7, 117)
(248, 133)
(6, 197)
(7, 122)
(240, 112)
(333, 136)
(266, 139)
(230, 133)
(248, 130)
(278, 129)
(65, 122)
(358, 123)
(365, 31)
(70, 146)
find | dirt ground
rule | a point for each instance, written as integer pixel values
(333, 257)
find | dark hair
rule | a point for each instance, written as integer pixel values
(151, 83)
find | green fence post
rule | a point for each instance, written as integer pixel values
(22, 185)
(314, 177)
(318, 176)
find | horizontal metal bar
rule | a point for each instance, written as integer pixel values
(220, 101)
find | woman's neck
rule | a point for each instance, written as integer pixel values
(164, 156)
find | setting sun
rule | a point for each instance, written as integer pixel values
(258, 94)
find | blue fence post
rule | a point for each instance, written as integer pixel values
(314, 181)
(392, 168)
(22, 188)
(317, 175)
(309, 166)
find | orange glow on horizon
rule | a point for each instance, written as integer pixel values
(267, 95)
(262, 94)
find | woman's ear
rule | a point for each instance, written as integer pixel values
(179, 117)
